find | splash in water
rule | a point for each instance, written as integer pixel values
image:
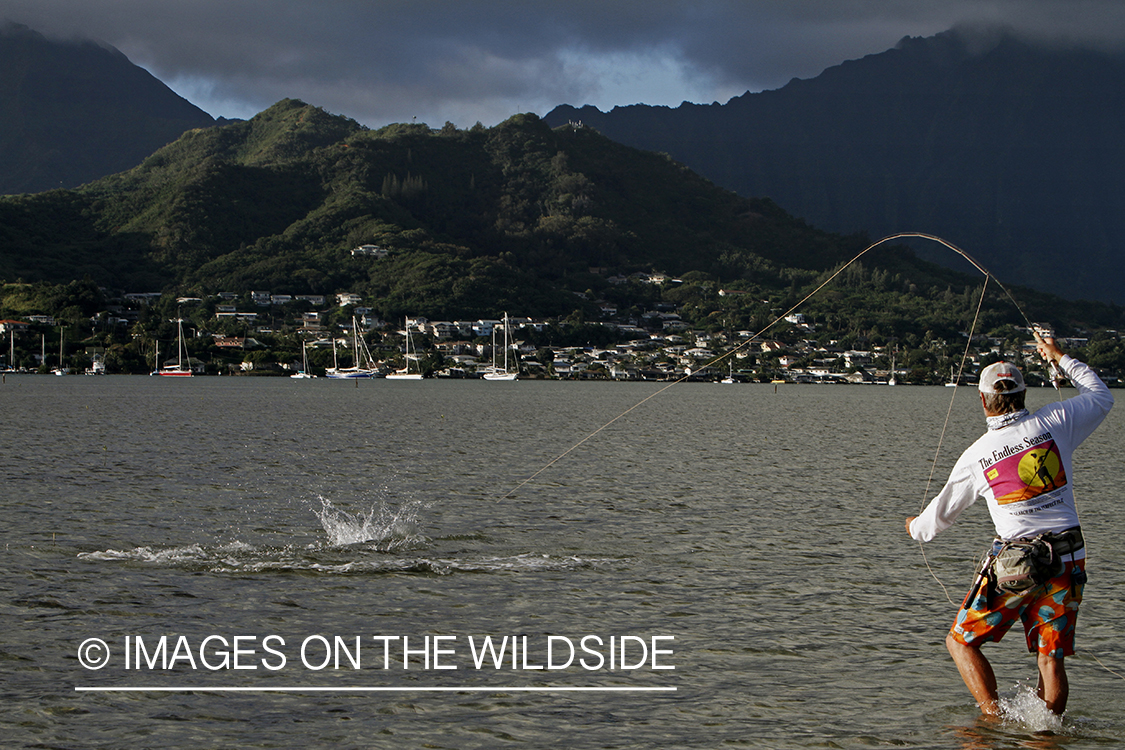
(1026, 709)
(388, 526)
(384, 527)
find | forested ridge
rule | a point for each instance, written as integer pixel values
(1007, 146)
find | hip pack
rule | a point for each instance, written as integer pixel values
(1019, 564)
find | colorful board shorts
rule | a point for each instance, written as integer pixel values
(1048, 612)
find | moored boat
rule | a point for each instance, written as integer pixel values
(182, 368)
(359, 354)
(495, 372)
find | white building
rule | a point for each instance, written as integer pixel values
(373, 251)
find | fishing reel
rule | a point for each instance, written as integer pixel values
(1057, 377)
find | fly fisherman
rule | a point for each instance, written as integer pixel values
(1035, 569)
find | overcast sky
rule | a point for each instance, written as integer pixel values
(383, 61)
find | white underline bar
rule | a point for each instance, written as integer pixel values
(204, 689)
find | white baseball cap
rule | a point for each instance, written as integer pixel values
(1001, 371)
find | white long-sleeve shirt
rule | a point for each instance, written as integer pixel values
(1023, 470)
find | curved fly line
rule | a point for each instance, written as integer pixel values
(832, 277)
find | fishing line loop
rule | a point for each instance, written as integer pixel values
(832, 277)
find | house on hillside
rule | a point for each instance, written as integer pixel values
(8, 326)
(142, 298)
(443, 329)
(316, 300)
(371, 251)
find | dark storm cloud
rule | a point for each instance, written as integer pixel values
(465, 60)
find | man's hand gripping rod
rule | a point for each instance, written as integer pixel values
(1057, 377)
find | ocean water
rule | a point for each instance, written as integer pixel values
(274, 563)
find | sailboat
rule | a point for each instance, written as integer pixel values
(182, 369)
(891, 380)
(61, 370)
(303, 373)
(355, 371)
(405, 373)
(496, 373)
(729, 379)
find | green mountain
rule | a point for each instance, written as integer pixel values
(472, 219)
(74, 111)
(517, 217)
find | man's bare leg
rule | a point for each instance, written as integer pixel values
(977, 674)
(1054, 688)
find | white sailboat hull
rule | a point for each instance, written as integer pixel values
(347, 374)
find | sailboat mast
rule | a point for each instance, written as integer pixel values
(505, 342)
(355, 343)
(408, 344)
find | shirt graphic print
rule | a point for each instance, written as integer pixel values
(1027, 474)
